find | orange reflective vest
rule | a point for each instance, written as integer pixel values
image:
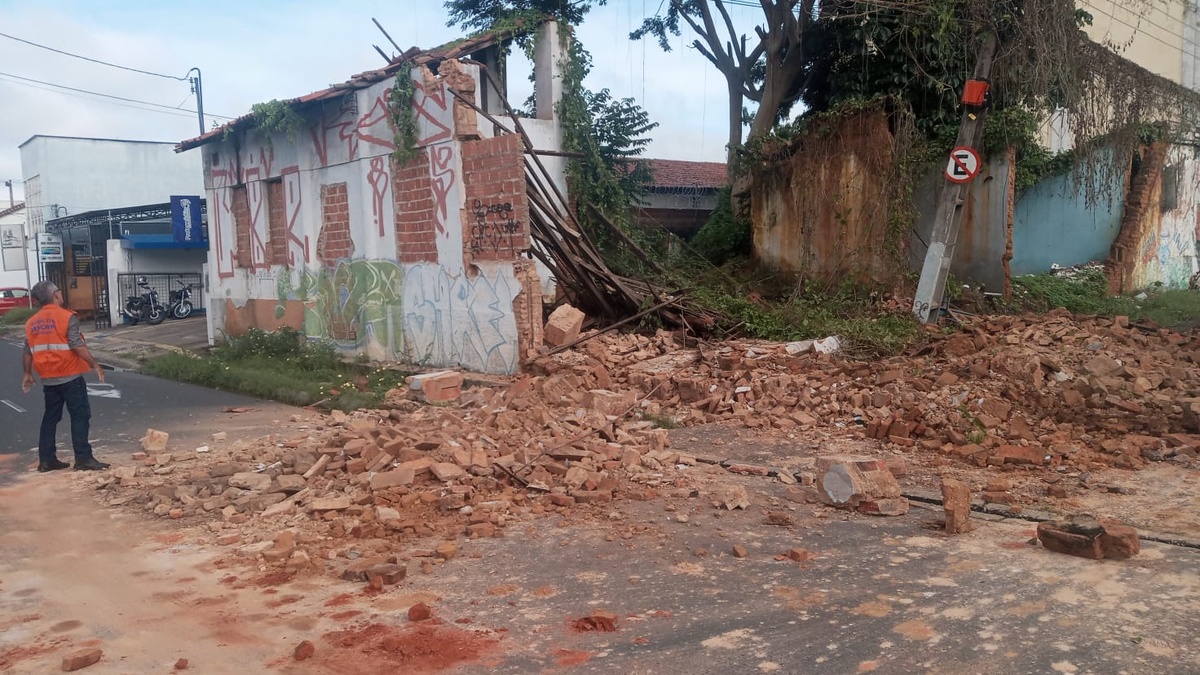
(46, 333)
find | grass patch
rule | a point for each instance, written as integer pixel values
(281, 366)
(17, 317)
(1087, 293)
(775, 308)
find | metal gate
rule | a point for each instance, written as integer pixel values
(165, 284)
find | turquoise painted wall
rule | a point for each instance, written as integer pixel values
(1053, 223)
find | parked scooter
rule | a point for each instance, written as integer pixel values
(179, 305)
(144, 307)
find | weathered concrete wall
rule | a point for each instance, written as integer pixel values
(1157, 241)
(1054, 224)
(984, 236)
(419, 263)
(823, 211)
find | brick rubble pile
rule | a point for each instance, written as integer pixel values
(447, 460)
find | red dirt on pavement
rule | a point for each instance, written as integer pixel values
(568, 657)
(430, 647)
(340, 599)
(273, 578)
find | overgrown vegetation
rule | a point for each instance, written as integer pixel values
(17, 317)
(771, 307)
(1087, 293)
(403, 117)
(725, 236)
(282, 366)
(277, 117)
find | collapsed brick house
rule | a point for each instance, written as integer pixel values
(323, 230)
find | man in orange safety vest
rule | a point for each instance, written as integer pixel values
(55, 348)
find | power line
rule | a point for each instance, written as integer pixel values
(167, 108)
(87, 58)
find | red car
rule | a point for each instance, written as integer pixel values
(12, 298)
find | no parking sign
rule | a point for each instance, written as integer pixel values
(963, 166)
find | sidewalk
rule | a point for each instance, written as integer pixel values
(126, 347)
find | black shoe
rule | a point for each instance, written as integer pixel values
(52, 466)
(92, 464)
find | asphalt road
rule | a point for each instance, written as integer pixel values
(186, 411)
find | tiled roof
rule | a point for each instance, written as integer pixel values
(15, 208)
(674, 173)
(414, 55)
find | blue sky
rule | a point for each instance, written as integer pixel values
(257, 51)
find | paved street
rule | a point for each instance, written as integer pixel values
(183, 410)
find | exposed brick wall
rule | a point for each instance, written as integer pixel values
(334, 242)
(276, 223)
(413, 205)
(496, 213)
(527, 309)
(1140, 220)
(241, 227)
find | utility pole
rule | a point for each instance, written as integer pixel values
(948, 217)
(198, 90)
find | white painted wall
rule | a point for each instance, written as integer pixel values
(17, 277)
(87, 174)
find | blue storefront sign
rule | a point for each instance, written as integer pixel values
(185, 220)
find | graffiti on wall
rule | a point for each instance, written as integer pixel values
(441, 161)
(297, 245)
(372, 128)
(420, 313)
(453, 319)
(220, 211)
(494, 229)
(356, 304)
(379, 181)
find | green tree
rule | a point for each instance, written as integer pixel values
(488, 14)
(772, 70)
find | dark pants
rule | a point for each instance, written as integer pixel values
(74, 395)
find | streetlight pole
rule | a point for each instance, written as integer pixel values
(198, 90)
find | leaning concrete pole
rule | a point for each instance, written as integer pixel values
(948, 216)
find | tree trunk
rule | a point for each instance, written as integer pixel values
(735, 126)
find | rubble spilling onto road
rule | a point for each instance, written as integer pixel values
(447, 459)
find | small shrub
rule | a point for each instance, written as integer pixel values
(282, 366)
(17, 317)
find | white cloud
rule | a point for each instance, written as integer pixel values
(251, 52)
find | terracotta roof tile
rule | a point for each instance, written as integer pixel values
(674, 173)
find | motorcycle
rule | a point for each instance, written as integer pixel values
(144, 307)
(179, 305)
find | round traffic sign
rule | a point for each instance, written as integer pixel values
(963, 166)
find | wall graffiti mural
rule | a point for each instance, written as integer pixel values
(494, 229)
(459, 320)
(380, 180)
(431, 103)
(297, 245)
(221, 213)
(356, 304)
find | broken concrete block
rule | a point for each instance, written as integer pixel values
(1119, 541)
(847, 481)
(956, 501)
(1056, 539)
(884, 507)
(81, 659)
(330, 504)
(1086, 537)
(563, 326)
(446, 471)
(394, 478)
(248, 480)
(155, 441)
(608, 403)
(439, 387)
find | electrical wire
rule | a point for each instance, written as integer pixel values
(166, 108)
(88, 58)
